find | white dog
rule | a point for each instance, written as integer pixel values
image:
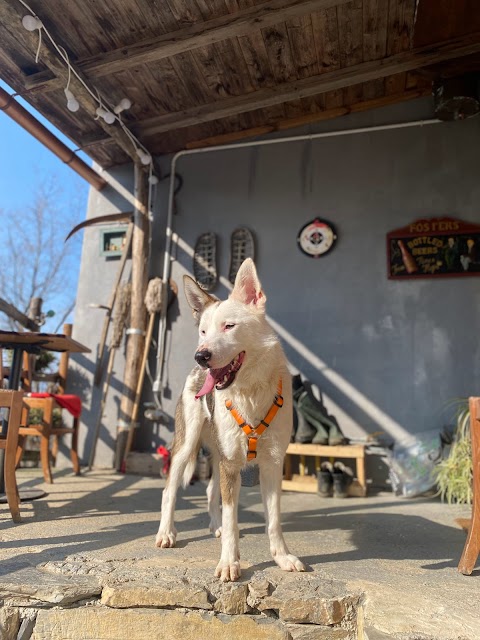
(238, 401)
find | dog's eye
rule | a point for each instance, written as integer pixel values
(202, 332)
(230, 325)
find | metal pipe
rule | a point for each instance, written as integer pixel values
(162, 327)
(21, 116)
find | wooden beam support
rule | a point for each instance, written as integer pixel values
(330, 81)
(197, 35)
(310, 118)
(12, 20)
(138, 312)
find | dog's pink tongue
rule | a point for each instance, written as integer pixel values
(207, 386)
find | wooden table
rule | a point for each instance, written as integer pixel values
(30, 342)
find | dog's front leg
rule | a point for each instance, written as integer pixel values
(167, 534)
(213, 496)
(228, 569)
(271, 485)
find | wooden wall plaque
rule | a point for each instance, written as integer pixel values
(432, 248)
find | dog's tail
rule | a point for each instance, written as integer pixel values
(190, 467)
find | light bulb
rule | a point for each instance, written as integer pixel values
(109, 117)
(152, 179)
(100, 112)
(145, 158)
(124, 103)
(73, 105)
(31, 23)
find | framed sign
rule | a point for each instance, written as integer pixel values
(434, 247)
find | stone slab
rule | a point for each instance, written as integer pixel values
(162, 594)
(21, 583)
(101, 623)
(9, 623)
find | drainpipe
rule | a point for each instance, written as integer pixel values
(162, 327)
(21, 116)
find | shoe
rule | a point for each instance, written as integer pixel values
(325, 479)
(242, 246)
(342, 479)
(205, 261)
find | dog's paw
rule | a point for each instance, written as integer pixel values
(228, 572)
(166, 539)
(288, 562)
(215, 528)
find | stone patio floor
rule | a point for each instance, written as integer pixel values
(89, 546)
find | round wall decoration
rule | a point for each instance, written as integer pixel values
(316, 238)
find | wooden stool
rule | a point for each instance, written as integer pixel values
(307, 483)
(472, 545)
(13, 401)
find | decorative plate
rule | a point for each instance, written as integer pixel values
(316, 238)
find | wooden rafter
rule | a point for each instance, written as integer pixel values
(330, 81)
(187, 39)
(11, 19)
(310, 118)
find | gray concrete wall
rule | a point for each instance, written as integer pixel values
(387, 355)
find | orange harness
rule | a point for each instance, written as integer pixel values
(253, 433)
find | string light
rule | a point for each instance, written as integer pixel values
(123, 105)
(31, 23)
(108, 116)
(72, 102)
(111, 114)
(145, 158)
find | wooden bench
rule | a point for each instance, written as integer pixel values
(308, 483)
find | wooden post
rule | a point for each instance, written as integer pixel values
(138, 316)
(35, 310)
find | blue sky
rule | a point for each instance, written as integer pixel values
(24, 165)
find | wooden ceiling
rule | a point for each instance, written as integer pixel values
(211, 71)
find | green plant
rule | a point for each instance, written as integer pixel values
(453, 475)
(35, 416)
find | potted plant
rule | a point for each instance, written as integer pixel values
(454, 473)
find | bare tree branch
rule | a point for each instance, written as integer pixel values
(35, 260)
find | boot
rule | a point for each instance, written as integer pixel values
(342, 479)
(314, 431)
(328, 431)
(325, 479)
(304, 432)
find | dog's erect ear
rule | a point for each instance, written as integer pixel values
(247, 288)
(197, 298)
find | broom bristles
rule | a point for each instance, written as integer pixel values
(153, 296)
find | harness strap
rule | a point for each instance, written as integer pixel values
(253, 433)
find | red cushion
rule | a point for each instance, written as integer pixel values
(67, 401)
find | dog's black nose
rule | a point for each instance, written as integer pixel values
(202, 357)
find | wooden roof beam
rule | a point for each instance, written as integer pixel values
(309, 118)
(330, 81)
(12, 20)
(189, 38)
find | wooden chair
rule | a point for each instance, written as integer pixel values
(472, 545)
(46, 428)
(13, 402)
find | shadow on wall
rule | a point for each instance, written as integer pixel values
(303, 359)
